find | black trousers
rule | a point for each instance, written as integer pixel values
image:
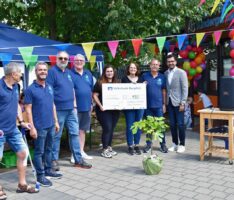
(108, 120)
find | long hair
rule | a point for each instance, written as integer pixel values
(104, 79)
(137, 66)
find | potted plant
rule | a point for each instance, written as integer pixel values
(154, 128)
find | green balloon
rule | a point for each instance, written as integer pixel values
(191, 55)
(192, 72)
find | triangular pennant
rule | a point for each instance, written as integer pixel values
(167, 45)
(92, 61)
(213, 40)
(62, 47)
(232, 23)
(216, 3)
(180, 39)
(223, 9)
(228, 15)
(217, 36)
(88, 47)
(199, 37)
(136, 43)
(32, 61)
(151, 47)
(5, 58)
(226, 11)
(201, 2)
(52, 59)
(71, 63)
(160, 41)
(113, 45)
(26, 52)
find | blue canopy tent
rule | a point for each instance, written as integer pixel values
(12, 38)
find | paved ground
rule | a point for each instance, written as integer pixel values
(183, 177)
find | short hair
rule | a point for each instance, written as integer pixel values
(172, 55)
(137, 66)
(41, 63)
(11, 67)
(154, 59)
(80, 55)
(62, 52)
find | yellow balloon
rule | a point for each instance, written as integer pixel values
(186, 65)
(199, 69)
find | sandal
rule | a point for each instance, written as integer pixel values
(3, 195)
(26, 188)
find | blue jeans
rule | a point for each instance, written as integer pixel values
(155, 112)
(43, 151)
(1, 147)
(70, 120)
(132, 116)
(176, 122)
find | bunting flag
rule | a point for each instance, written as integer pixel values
(167, 45)
(123, 53)
(25, 51)
(88, 47)
(231, 24)
(32, 61)
(160, 41)
(217, 36)
(136, 43)
(216, 3)
(5, 58)
(92, 62)
(62, 47)
(228, 15)
(113, 45)
(223, 9)
(199, 37)
(201, 2)
(151, 47)
(52, 59)
(100, 67)
(180, 39)
(226, 11)
(71, 63)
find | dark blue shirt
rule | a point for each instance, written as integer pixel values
(42, 101)
(8, 106)
(83, 85)
(154, 89)
(63, 88)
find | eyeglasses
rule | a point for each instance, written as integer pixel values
(63, 58)
(79, 60)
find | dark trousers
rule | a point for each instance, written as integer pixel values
(108, 120)
(176, 122)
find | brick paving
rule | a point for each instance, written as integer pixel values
(122, 177)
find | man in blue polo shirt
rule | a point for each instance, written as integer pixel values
(83, 85)
(156, 98)
(9, 112)
(59, 77)
(41, 114)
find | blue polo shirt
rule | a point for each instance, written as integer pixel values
(83, 85)
(42, 100)
(8, 107)
(62, 86)
(154, 89)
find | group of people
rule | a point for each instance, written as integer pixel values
(62, 97)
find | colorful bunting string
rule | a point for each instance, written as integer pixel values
(113, 45)
(199, 37)
(161, 41)
(88, 48)
(216, 3)
(217, 36)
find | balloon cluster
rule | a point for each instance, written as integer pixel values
(231, 35)
(194, 63)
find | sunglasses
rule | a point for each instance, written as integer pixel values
(63, 58)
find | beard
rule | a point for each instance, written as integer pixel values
(61, 65)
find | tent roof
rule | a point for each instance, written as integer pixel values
(11, 38)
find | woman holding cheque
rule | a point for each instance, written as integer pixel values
(107, 118)
(133, 115)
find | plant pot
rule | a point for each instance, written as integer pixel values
(152, 164)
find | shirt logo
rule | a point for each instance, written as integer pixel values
(50, 90)
(159, 81)
(69, 77)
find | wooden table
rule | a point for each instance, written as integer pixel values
(216, 114)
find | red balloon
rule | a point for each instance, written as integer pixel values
(199, 50)
(231, 34)
(232, 53)
(194, 49)
(193, 64)
(183, 54)
(189, 47)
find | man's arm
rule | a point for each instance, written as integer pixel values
(164, 93)
(33, 131)
(56, 119)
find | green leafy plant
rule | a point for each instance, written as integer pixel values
(153, 127)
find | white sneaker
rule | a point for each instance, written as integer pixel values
(72, 159)
(181, 149)
(86, 156)
(173, 148)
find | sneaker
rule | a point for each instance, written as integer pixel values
(72, 159)
(131, 150)
(137, 150)
(44, 181)
(53, 175)
(147, 149)
(83, 165)
(106, 153)
(163, 148)
(173, 148)
(55, 165)
(113, 153)
(86, 156)
(181, 149)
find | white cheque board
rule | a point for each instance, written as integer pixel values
(124, 96)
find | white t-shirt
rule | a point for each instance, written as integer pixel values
(205, 100)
